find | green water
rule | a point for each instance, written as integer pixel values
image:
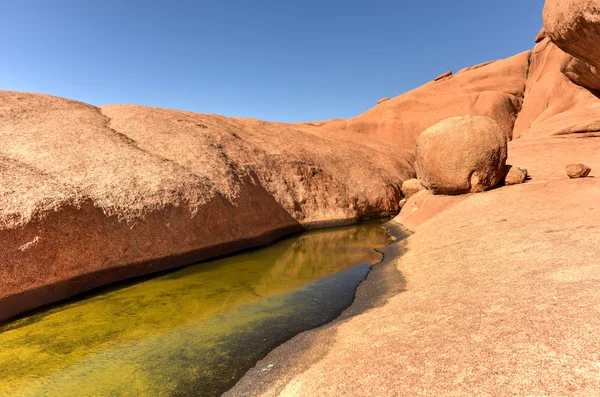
(195, 331)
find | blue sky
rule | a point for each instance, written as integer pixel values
(273, 60)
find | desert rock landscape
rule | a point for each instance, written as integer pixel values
(492, 169)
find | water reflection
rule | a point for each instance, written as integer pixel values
(191, 332)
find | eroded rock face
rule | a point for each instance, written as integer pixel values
(574, 26)
(461, 155)
(578, 171)
(411, 187)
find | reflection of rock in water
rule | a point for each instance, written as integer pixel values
(322, 253)
(191, 330)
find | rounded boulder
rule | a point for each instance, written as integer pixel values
(460, 155)
(574, 26)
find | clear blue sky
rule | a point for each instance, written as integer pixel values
(274, 60)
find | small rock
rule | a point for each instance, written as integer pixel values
(578, 170)
(402, 203)
(443, 75)
(514, 175)
(382, 100)
(411, 187)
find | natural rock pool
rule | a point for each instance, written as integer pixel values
(194, 331)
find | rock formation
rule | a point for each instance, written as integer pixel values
(461, 155)
(501, 287)
(90, 196)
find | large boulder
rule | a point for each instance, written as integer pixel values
(459, 155)
(574, 26)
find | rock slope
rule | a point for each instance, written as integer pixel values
(501, 286)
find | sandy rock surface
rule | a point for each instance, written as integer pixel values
(461, 155)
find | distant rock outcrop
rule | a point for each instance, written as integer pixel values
(461, 155)
(383, 100)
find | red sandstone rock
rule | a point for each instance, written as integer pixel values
(411, 187)
(383, 100)
(578, 171)
(461, 155)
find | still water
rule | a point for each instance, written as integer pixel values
(194, 331)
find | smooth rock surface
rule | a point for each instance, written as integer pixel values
(461, 155)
